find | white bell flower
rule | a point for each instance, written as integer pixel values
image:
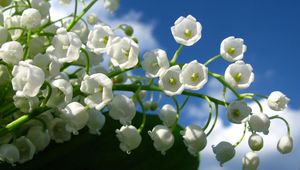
(285, 144)
(98, 38)
(27, 79)
(76, 117)
(96, 121)
(57, 130)
(11, 52)
(186, 30)
(4, 75)
(255, 142)
(26, 149)
(99, 88)
(155, 63)
(4, 35)
(194, 75)
(194, 139)
(278, 101)
(31, 18)
(239, 75)
(42, 5)
(62, 93)
(162, 137)
(9, 153)
(129, 138)
(26, 104)
(224, 152)
(39, 137)
(122, 108)
(169, 81)
(92, 19)
(13, 22)
(80, 28)
(233, 49)
(123, 51)
(260, 122)
(111, 5)
(50, 66)
(250, 161)
(65, 46)
(238, 112)
(168, 115)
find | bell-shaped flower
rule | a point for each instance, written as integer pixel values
(278, 101)
(57, 130)
(186, 30)
(260, 122)
(162, 137)
(49, 65)
(39, 137)
(92, 19)
(155, 63)
(98, 38)
(31, 18)
(129, 138)
(4, 35)
(96, 121)
(65, 46)
(239, 75)
(43, 6)
(62, 93)
(194, 139)
(238, 112)
(250, 161)
(285, 144)
(13, 22)
(99, 88)
(9, 153)
(232, 49)
(168, 114)
(27, 79)
(111, 5)
(255, 142)
(169, 81)
(194, 75)
(123, 51)
(122, 108)
(76, 117)
(80, 28)
(26, 104)
(11, 52)
(26, 149)
(224, 152)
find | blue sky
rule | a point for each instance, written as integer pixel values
(271, 32)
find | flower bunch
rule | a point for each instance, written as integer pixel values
(54, 83)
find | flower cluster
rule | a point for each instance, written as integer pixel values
(56, 83)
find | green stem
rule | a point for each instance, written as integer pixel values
(84, 11)
(184, 103)
(48, 94)
(87, 57)
(215, 121)
(253, 94)
(212, 59)
(285, 121)
(26, 53)
(117, 72)
(243, 135)
(173, 61)
(136, 95)
(256, 101)
(177, 112)
(75, 9)
(210, 113)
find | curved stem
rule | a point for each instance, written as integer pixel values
(87, 57)
(184, 103)
(173, 61)
(215, 121)
(253, 94)
(212, 59)
(75, 9)
(26, 53)
(256, 101)
(48, 94)
(243, 135)
(210, 113)
(177, 112)
(285, 121)
(136, 94)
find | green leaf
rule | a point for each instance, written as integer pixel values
(86, 151)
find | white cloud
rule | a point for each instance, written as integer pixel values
(144, 31)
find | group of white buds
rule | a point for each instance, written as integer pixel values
(55, 83)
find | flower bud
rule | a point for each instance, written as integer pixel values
(26, 149)
(224, 152)
(162, 137)
(4, 3)
(250, 161)
(57, 130)
(194, 138)
(11, 52)
(129, 138)
(277, 101)
(96, 121)
(31, 18)
(255, 142)
(92, 19)
(122, 108)
(9, 153)
(128, 30)
(167, 114)
(39, 137)
(111, 5)
(285, 144)
(260, 123)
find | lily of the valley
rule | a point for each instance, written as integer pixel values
(122, 108)
(129, 138)
(11, 52)
(98, 38)
(278, 101)
(168, 114)
(224, 152)
(260, 122)
(233, 49)
(169, 81)
(194, 139)
(155, 63)
(162, 137)
(238, 112)
(250, 161)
